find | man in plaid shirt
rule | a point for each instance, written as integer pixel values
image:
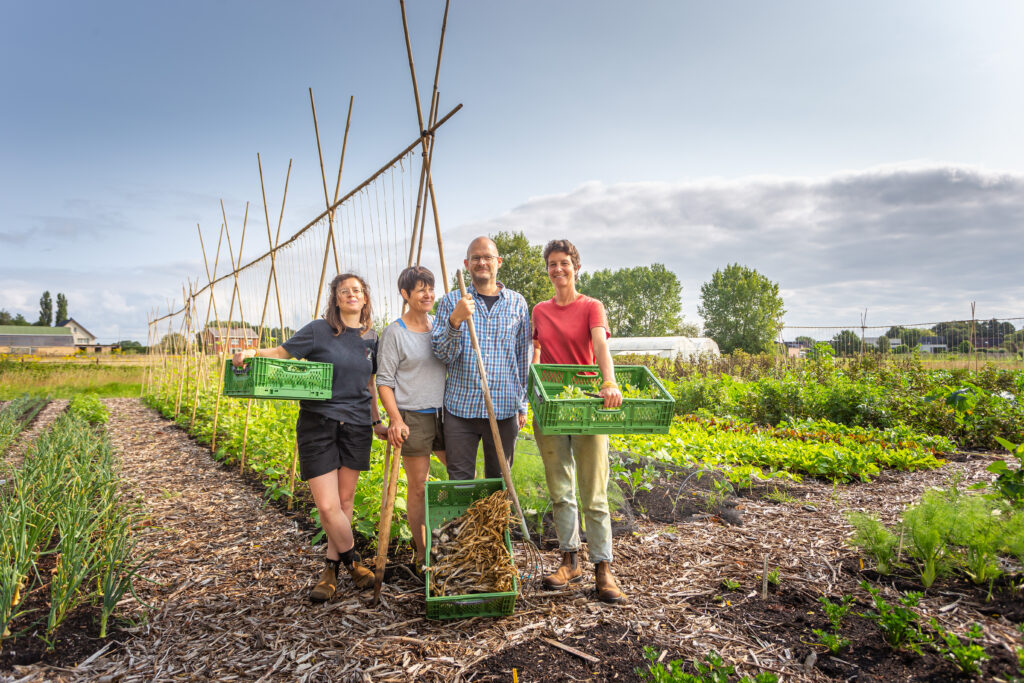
(502, 321)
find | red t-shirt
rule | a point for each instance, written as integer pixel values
(564, 331)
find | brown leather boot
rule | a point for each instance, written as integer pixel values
(607, 589)
(326, 584)
(568, 572)
(361, 576)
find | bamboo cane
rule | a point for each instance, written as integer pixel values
(390, 487)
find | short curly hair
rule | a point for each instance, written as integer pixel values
(566, 247)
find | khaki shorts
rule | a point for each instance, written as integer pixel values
(426, 433)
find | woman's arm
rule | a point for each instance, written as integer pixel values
(378, 429)
(397, 429)
(276, 352)
(612, 395)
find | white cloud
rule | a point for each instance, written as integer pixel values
(909, 242)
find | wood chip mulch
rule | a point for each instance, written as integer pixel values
(228, 579)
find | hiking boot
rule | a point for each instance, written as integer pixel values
(607, 589)
(568, 572)
(326, 584)
(361, 576)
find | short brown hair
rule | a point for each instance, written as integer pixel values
(566, 247)
(412, 276)
(333, 316)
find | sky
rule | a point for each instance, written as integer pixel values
(862, 155)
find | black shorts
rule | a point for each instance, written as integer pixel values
(326, 445)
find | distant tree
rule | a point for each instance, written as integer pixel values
(846, 343)
(907, 335)
(522, 267)
(964, 347)
(901, 349)
(173, 342)
(5, 317)
(688, 330)
(742, 309)
(129, 346)
(953, 332)
(62, 308)
(882, 345)
(20, 320)
(806, 341)
(991, 333)
(45, 310)
(643, 301)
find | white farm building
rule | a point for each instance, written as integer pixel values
(664, 347)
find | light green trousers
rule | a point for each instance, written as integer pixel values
(578, 460)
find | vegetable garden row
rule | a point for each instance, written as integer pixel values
(66, 527)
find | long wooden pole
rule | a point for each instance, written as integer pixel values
(386, 514)
(506, 473)
(277, 294)
(331, 240)
(419, 116)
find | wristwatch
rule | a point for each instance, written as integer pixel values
(376, 422)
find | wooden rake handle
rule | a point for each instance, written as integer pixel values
(506, 473)
(387, 509)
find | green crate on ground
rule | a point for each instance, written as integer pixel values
(446, 500)
(588, 415)
(278, 378)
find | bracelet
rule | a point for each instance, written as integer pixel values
(610, 385)
(376, 422)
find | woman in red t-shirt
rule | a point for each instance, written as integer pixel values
(571, 329)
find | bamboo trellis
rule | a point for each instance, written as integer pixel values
(373, 230)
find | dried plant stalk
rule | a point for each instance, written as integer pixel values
(468, 553)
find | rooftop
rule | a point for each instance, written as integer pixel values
(34, 330)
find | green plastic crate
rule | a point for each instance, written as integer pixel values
(278, 378)
(588, 415)
(446, 500)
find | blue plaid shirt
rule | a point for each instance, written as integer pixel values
(505, 343)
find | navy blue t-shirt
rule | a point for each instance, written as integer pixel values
(354, 357)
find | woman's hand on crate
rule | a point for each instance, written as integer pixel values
(239, 358)
(398, 432)
(612, 397)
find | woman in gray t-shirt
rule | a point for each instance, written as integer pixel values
(410, 381)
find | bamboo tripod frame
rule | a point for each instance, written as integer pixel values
(186, 358)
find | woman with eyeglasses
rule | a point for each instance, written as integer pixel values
(335, 436)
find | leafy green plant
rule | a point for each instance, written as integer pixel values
(1010, 482)
(773, 577)
(875, 538)
(967, 656)
(89, 408)
(730, 584)
(835, 612)
(977, 529)
(712, 670)
(898, 623)
(928, 525)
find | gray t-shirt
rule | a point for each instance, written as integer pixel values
(406, 364)
(354, 357)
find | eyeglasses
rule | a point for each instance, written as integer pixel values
(347, 292)
(487, 258)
